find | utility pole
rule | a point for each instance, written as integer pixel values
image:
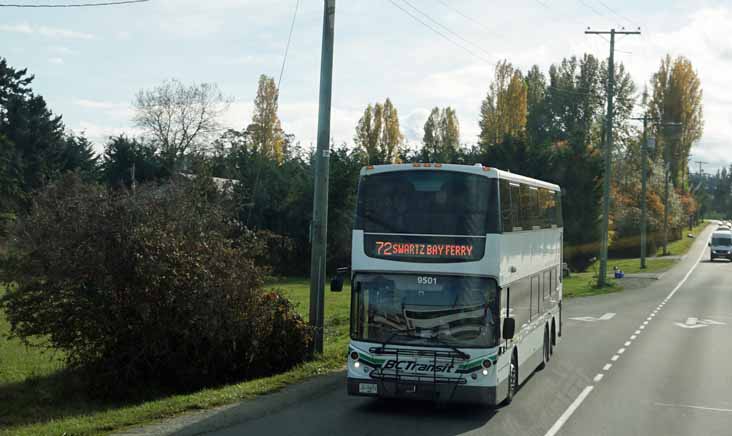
(608, 146)
(701, 169)
(644, 188)
(134, 180)
(319, 229)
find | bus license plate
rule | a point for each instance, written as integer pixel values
(368, 388)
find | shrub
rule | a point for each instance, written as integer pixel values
(159, 288)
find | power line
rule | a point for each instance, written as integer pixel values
(419, 20)
(287, 47)
(592, 8)
(71, 5)
(614, 12)
(447, 29)
(468, 17)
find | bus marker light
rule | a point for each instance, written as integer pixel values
(426, 164)
(370, 167)
(438, 165)
(416, 164)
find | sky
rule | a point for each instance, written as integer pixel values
(90, 62)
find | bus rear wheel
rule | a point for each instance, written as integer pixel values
(545, 350)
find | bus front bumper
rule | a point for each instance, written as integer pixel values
(451, 392)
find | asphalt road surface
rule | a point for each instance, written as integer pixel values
(661, 365)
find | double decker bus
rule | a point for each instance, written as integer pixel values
(456, 282)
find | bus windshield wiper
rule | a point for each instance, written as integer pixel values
(452, 347)
(405, 333)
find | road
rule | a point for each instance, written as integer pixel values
(662, 365)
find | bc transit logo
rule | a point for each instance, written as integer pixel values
(403, 365)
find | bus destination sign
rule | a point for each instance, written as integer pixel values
(424, 248)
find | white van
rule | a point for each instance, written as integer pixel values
(721, 244)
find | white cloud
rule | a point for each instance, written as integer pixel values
(60, 50)
(49, 32)
(121, 111)
(57, 61)
(16, 28)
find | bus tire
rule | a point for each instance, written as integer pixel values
(545, 349)
(512, 380)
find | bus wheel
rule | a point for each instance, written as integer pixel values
(545, 349)
(512, 381)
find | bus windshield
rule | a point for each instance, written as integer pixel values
(427, 202)
(426, 310)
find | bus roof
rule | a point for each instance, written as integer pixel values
(479, 169)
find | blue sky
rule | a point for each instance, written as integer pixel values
(90, 62)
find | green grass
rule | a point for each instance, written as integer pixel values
(682, 246)
(37, 397)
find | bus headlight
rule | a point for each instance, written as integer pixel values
(485, 371)
(356, 364)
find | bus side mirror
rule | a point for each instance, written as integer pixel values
(709, 244)
(509, 328)
(336, 283)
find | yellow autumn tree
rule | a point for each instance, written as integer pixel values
(379, 135)
(503, 112)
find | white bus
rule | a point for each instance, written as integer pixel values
(456, 282)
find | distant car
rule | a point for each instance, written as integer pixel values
(721, 244)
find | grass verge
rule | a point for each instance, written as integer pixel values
(682, 246)
(38, 398)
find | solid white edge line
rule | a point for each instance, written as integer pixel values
(714, 409)
(598, 377)
(570, 410)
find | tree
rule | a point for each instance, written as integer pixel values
(378, 133)
(504, 110)
(536, 117)
(677, 98)
(122, 154)
(441, 139)
(179, 118)
(266, 131)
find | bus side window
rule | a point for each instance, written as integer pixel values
(547, 285)
(558, 208)
(535, 295)
(516, 210)
(506, 211)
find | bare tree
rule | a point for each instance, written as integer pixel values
(180, 118)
